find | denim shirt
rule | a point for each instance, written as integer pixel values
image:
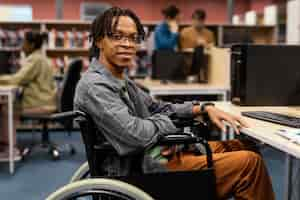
(131, 124)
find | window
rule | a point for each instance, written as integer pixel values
(88, 11)
(15, 13)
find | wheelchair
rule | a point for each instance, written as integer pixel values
(92, 182)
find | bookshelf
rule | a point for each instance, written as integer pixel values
(67, 51)
(70, 38)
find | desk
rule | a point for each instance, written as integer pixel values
(156, 88)
(265, 132)
(9, 92)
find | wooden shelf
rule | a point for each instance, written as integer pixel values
(20, 25)
(260, 33)
(10, 49)
(68, 25)
(70, 51)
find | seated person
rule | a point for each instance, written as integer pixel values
(166, 33)
(131, 120)
(196, 35)
(35, 77)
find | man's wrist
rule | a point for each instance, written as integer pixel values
(196, 109)
(206, 106)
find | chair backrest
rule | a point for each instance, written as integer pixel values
(70, 81)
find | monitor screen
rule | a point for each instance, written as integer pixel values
(168, 65)
(8, 61)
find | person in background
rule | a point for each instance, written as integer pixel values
(35, 78)
(196, 35)
(166, 33)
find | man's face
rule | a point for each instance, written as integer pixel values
(119, 49)
(198, 23)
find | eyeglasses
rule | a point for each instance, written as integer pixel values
(118, 37)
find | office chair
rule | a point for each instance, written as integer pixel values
(137, 184)
(65, 103)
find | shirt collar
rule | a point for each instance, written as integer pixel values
(97, 67)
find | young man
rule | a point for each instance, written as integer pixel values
(35, 77)
(132, 121)
(166, 33)
(197, 35)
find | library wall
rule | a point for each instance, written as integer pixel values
(146, 9)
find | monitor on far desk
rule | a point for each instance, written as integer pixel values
(168, 65)
(8, 61)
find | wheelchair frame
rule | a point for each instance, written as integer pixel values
(162, 185)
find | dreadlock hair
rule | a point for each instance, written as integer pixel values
(105, 24)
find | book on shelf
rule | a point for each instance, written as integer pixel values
(68, 39)
(11, 38)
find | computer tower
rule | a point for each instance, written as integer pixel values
(265, 75)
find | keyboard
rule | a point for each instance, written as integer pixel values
(274, 118)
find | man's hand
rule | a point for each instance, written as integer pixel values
(217, 116)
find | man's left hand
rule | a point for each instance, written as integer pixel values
(217, 117)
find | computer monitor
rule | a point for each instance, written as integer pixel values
(237, 37)
(168, 65)
(8, 61)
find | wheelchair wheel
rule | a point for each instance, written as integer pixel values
(101, 188)
(81, 173)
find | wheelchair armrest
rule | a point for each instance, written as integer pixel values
(183, 138)
(66, 115)
(181, 122)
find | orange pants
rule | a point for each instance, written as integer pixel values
(239, 172)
